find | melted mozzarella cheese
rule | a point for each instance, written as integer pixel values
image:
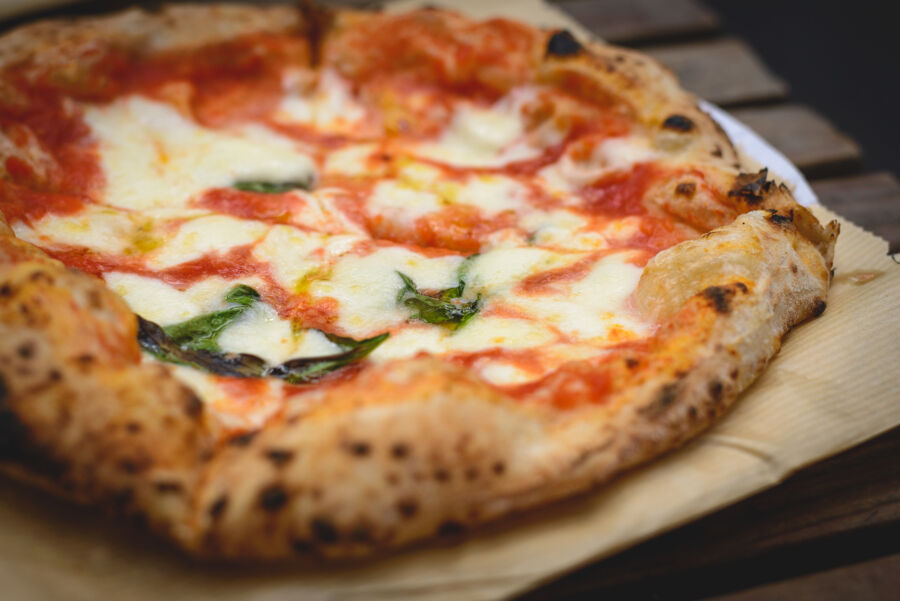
(157, 301)
(496, 270)
(100, 229)
(568, 174)
(366, 287)
(199, 236)
(331, 105)
(493, 194)
(589, 308)
(154, 157)
(484, 136)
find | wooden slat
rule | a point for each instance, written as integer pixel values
(633, 21)
(875, 580)
(842, 510)
(725, 71)
(871, 200)
(805, 137)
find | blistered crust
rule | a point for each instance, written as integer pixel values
(411, 449)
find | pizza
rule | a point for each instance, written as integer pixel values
(287, 280)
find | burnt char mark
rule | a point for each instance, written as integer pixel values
(715, 390)
(686, 189)
(781, 220)
(169, 486)
(316, 19)
(819, 308)
(451, 528)
(752, 188)
(16, 446)
(563, 43)
(678, 123)
(324, 530)
(720, 298)
(272, 498)
(242, 440)
(359, 448)
(217, 508)
(279, 457)
(193, 406)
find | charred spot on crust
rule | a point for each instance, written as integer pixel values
(741, 286)
(26, 350)
(317, 20)
(780, 220)
(719, 297)
(686, 189)
(6, 290)
(359, 448)
(193, 406)
(563, 43)
(631, 363)
(301, 545)
(279, 457)
(678, 123)
(360, 534)
(133, 427)
(472, 473)
(168, 486)
(399, 451)
(667, 395)
(135, 465)
(451, 528)
(717, 151)
(272, 498)
(819, 308)
(498, 468)
(217, 507)
(242, 440)
(715, 390)
(441, 475)
(407, 508)
(323, 530)
(752, 188)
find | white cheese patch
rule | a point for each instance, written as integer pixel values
(501, 268)
(491, 331)
(401, 203)
(261, 332)
(154, 157)
(157, 301)
(568, 174)
(100, 229)
(484, 136)
(202, 235)
(586, 309)
(295, 254)
(493, 194)
(352, 160)
(331, 105)
(366, 287)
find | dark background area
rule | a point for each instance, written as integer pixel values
(840, 57)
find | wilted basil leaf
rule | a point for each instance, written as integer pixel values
(263, 187)
(202, 332)
(155, 341)
(309, 369)
(443, 308)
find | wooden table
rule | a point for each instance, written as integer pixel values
(832, 531)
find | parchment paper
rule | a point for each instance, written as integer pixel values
(834, 384)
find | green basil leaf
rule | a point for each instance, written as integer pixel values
(202, 332)
(263, 187)
(155, 341)
(309, 369)
(443, 308)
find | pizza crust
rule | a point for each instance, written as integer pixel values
(410, 449)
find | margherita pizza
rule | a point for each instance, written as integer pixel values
(285, 280)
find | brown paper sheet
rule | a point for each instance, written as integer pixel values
(834, 384)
